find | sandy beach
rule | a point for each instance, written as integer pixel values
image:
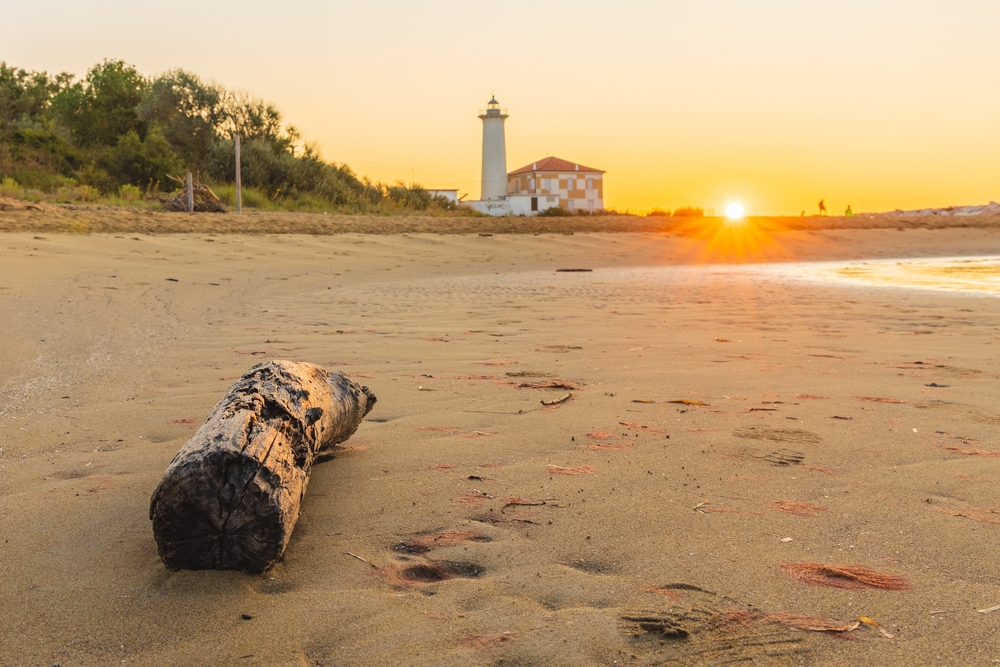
(731, 427)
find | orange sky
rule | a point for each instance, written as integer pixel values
(776, 104)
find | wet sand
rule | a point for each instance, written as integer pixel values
(724, 421)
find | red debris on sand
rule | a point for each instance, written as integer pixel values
(845, 576)
(971, 452)
(473, 498)
(975, 513)
(424, 542)
(609, 447)
(817, 469)
(672, 593)
(549, 384)
(796, 508)
(640, 427)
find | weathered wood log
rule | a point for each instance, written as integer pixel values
(230, 498)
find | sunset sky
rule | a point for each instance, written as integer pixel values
(880, 104)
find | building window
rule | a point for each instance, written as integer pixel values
(531, 184)
(590, 205)
(534, 203)
(546, 184)
(590, 184)
(569, 205)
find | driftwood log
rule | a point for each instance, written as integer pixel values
(230, 498)
(205, 201)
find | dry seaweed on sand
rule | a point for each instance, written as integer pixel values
(975, 513)
(473, 497)
(738, 619)
(845, 576)
(812, 623)
(549, 384)
(796, 508)
(971, 452)
(879, 399)
(557, 401)
(609, 447)
(421, 543)
(639, 427)
(571, 470)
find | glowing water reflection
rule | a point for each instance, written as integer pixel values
(952, 274)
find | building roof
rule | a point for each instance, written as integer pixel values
(553, 164)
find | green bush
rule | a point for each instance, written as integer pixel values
(129, 192)
(658, 213)
(555, 212)
(134, 160)
(10, 188)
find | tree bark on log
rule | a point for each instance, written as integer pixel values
(231, 496)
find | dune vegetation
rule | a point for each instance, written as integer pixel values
(116, 136)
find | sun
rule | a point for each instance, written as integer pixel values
(734, 211)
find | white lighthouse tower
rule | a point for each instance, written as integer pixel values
(494, 152)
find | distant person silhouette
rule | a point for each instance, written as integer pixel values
(848, 213)
(822, 207)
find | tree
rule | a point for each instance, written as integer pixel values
(141, 161)
(25, 95)
(253, 118)
(188, 111)
(102, 107)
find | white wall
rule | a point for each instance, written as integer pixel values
(514, 205)
(450, 195)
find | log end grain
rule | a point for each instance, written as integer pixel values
(231, 496)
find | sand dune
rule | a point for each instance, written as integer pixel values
(725, 423)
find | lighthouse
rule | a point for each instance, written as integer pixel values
(494, 152)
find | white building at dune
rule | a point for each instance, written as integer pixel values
(554, 181)
(548, 183)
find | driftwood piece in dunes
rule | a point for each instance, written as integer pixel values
(205, 201)
(230, 498)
